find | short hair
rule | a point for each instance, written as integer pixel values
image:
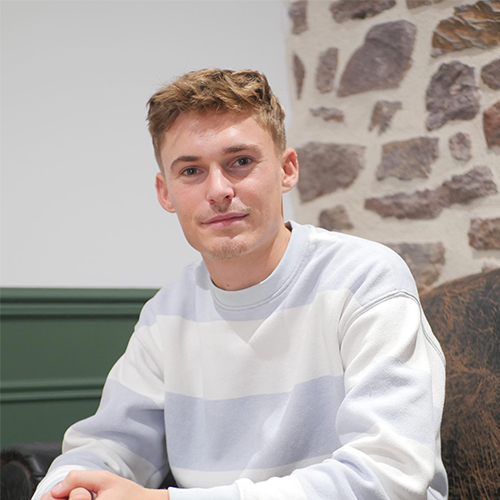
(219, 91)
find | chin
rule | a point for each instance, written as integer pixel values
(227, 250)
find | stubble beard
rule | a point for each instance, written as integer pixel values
(230, 249)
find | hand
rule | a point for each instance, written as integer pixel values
(105, 486)
(76, 494)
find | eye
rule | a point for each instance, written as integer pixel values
(190, 171)
(243, 161)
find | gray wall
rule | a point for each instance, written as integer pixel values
(79, 207)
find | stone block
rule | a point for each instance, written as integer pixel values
(490, 74)
(298, 14)
(428, 204)
(382, 114)
(425, 260)
(484, 234)
(452, 95)
(345, 10)
(476, 25)
(418, 205)
(335, 219)
(491, 125)
(325, 72)
(326, 167)
(476, 183)
(328, 114)
(460, 146)
(382, 61)
(299, 72)
(408, 159)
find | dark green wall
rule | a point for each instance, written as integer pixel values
(57, 345)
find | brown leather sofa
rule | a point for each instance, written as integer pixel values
(465, 317)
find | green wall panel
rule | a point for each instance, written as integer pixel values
(27, 421)
(57, 345)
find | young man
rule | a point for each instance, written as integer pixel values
(290, 363)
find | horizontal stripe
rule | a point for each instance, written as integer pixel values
(210, 360)
(80, 459)
(209, 479)
(219, 493)
(348, 474)
(254, 432)
(129, 419)
(102, 454)
(277, 488)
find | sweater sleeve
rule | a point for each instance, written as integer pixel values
(127, 434)
(388, 422)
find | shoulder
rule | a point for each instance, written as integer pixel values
(369, 270)
(177, 298)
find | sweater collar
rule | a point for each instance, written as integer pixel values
(275, 283)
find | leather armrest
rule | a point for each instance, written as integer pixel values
(24, 465)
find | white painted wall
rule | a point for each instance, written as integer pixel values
(79, 207)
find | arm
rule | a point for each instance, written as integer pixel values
(127, 434)
(388, 423)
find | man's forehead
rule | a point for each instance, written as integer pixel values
(208, 121)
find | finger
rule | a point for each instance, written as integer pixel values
(90, 480)
(80, 494)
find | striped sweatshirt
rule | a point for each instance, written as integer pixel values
(324, 381)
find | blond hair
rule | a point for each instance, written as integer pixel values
(218, 91)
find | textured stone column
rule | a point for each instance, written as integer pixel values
(396, 121)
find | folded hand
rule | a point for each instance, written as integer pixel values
(102, 485)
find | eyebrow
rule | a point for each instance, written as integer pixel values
(184, 159)
(242, 147)
(232, 149)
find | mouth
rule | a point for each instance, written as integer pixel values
(225, 220)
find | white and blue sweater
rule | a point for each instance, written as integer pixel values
(322, 382)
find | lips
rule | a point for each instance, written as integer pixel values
(225, 219)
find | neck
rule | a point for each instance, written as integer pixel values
(248, 270)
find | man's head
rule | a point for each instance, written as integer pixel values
(220, 143)
(216, 91)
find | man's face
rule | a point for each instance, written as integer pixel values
(224, 179)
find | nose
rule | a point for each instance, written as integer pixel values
(220, 189)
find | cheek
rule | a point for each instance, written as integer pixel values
(184, 202)
(267, 188)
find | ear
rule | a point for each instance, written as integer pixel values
(162, 192)
(290, 166)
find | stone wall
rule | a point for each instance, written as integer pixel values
(396, 121)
